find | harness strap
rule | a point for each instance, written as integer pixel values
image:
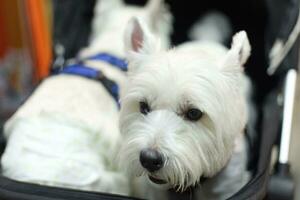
(111, 59)
(83, 70)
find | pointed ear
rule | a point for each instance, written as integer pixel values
(138, 38)
(239, 52)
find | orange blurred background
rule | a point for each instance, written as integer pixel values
(25, 48)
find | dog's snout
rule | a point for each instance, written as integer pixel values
(151, 159)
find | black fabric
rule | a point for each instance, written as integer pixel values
(282, 17)
(2, 140)
(257, 187)
(72, 24)
(13, 190)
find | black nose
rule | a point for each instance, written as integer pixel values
(151, 160)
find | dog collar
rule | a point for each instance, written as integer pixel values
(83, 70)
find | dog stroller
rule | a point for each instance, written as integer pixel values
(273, 27)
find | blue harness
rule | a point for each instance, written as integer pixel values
(81, 69)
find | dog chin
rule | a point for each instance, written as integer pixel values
(158, 183)
(162, 184)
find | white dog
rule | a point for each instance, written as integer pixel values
(66, 133)
(183, 115)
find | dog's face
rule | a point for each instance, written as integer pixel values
(181, 112)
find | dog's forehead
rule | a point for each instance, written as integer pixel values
(194, 59)
(172, 63)
(170, 78)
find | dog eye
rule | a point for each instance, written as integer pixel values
(144, 108)
(193, 114)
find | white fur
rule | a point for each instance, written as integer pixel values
(66, 133)
(201, 74)
(213, 26)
